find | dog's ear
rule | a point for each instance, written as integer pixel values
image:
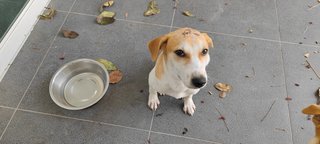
(312, 110)
(155, 46)
(208, 39)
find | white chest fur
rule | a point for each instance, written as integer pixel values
(170, 85)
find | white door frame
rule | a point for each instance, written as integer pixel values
(19, 32)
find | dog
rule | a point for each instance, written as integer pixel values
(314, 110)
(180, 69)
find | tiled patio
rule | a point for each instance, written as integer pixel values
(271, 56)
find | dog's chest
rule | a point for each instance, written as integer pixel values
(174, 88)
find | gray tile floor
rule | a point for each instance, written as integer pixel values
(272, 58)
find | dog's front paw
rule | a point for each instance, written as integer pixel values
(189, 107)
(153, 103)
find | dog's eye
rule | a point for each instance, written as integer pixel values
(204, 51)
(180, 53)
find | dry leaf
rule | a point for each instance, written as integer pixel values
(107, 64)
(243, 44)
(108, 3)
(288, 98)
(106, 17)
(49, 13)
(222, 118)
(224, 88)
(61, 56)
(187, 13)
(152, 9)
(70, 34)
(307, 65)
(115, 76)
(306, 55)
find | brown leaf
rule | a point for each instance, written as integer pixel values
(115, 76)
(49, 13)
(70, 34)
(61, 56)
(187, 13)
(222, 118)
(152, 9)
(288, 98)
(223, 87)
(306, 55)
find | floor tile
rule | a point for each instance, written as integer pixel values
(294, 18)
(125, 45)
(9, 11)
(247, 103)
(63, 5)
(5, 117)
(302, 95)
(34, 128)
(135, 10)
(165, 139)
(21, 71)
(232, 17)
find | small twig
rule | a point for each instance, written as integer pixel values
(313, 69)
(305, 30)
(175, 4)
(276, 85)
(224, 121)
(254, 72)
(314, 6)
(268, 111)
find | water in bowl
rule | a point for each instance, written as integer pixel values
(83, 89)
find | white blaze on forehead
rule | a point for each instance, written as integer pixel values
(193, 49)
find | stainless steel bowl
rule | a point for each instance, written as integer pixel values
(59, 83)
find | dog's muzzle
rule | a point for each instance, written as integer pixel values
(198, 81)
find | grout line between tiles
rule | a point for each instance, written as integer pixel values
(283, 68)
(151, 125)
(211, 32)
(191, 138)
(15, 110)
(84, 120)
(174, 13)
(114, 125)
(7, 107)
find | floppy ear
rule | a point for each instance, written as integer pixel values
(155, 46)
(312, 110)
(208, 39)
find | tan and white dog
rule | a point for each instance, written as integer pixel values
(180, 70)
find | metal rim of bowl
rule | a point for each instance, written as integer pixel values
(63, 67)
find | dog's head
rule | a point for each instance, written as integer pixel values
(186, 55)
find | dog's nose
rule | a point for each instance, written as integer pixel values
(199, 81)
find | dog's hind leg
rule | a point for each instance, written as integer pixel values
(189, 106)
(153, 101)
